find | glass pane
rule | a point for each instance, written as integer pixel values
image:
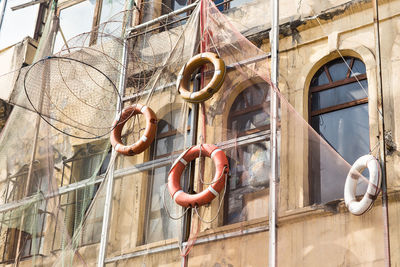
(178, 4)
(162, 127)
(165, 145)
(17, 24)
(160, 226)
(358, 68)
(252, 96)
(239, 103)
(338, 69)
(110, 8)
(339, 95)
(75, 20)
(249, 121)
(249, 168)
(319, 78)
(171, 5)
(347, 131)
(220, 7)
(255, 95)
(236, 3)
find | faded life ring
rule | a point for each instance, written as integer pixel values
(206, 196)
(145, 140)
(360, 207)
(183, 81)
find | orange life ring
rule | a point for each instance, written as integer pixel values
(183, 81)
(217, 184)
(145, 140)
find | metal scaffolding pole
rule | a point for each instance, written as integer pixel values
(274, 41)
(110, 174)
(382, 145)
(3, 7)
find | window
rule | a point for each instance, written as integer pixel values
(71, 22)
(239, 3)
(249, 159)
(5, 110)
(74, 205)
(110, 9)
(168, 141)
(339, 113)
(84, 16)
(31, 235)
(171, 5)
(17, 24)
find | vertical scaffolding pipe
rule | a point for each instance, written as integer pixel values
(382, 145)
(272, 211)
(110, 174)
(3, 7)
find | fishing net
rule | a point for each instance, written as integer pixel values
(60, 215)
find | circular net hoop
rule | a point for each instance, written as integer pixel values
(73, 96)
(76, 92)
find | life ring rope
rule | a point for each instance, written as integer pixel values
(218, 211)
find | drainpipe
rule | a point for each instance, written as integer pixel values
(382, 145)
(273, 181)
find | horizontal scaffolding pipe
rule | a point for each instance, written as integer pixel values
(228, 67)
(171, 22)
(199, 241)
(163, 17)
(256, 137)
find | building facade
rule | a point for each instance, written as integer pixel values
(328, 73)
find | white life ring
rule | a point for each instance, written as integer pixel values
(360, 207)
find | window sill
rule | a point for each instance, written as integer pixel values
(231, 231)
(291, 216)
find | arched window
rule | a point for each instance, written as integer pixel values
(339, 113)
(168, 141)
(248, 124)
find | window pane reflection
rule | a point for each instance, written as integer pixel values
(110, 8)
(346, 130)
(338, 69)
(75, 20)
(250, 168)
(160, 226)
(339, 95)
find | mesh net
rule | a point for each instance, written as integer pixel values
(54, 203)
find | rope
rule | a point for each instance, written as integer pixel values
(219, 207)
(167, 210)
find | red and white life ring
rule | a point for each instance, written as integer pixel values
(360, 207)
(145, 140)
(217, 184)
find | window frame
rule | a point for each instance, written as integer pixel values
(333, 85)
(14, 233)
(95, 19)
(312, 183)
(83, 153)
(165, 161)
(246, 137)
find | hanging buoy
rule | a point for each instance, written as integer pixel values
(145, 140)
(183, 81)
(215, 187)
(360, 207)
